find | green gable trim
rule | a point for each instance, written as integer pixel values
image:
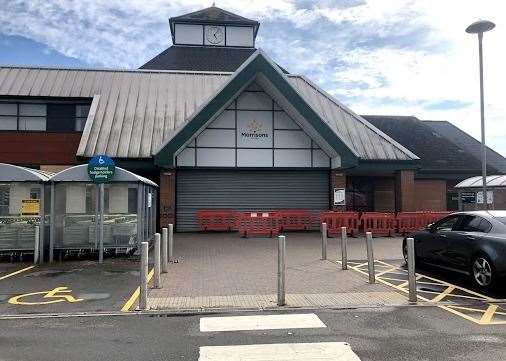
(259, 64)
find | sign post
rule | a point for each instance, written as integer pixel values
(101, 170)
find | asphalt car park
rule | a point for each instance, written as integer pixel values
(67, 287)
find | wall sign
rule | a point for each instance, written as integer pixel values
(30, 207)
(468, 197)
(339, 197)
(101, 169)
(254, 129)
(490, 197)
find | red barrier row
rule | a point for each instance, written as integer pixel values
(294, 220)
(258, 224)
(379, 224)
(336, 220)
(413, 221)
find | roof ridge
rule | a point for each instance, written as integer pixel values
(39, 67)
(360, 118)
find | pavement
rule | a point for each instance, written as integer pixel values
(379, 334)
(223, 271)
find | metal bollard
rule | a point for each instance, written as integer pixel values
(344, 251)
(36, 245)
(281, 270)
(143, 290)
(324, 241)
(411, 270)
(156, 279)
(171, 242)
(165, 255)
(370, 257)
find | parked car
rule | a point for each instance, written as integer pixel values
(471, 243)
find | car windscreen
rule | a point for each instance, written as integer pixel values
(501, 219)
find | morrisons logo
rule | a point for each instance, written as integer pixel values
(255, 130)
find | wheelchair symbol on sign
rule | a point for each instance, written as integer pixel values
(56, 295)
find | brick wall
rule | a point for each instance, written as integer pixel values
(430, 195)
(167, 197)
(337, 180)
(405, 191)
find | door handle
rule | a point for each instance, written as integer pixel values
(470, 238)
(443, 236)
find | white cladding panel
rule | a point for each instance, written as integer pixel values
(254, 157)
(186, 158)
(291, 139)
(320, 159)
(118, 199)
(240, 36)
(18, 192)
(75, 198)
(254, 101)
(189, 34)
(216, 138)
(224, 120)
(292, 157)
(212, 157)
(283, 121)
(254, 129)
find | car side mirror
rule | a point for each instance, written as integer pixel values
(430, 227)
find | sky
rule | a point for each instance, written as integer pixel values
(387, 57)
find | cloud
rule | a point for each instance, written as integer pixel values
(379, 57)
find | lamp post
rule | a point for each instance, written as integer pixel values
(480, 27)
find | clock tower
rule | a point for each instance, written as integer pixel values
(211, 39)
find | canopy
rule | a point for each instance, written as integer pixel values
(493, 181)
(14, 173)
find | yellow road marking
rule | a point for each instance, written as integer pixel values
(487, 316)
(443, 294)
(133, 298)
(16, 273)
(54, 294)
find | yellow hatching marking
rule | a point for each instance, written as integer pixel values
(133, 298)
(16, 273)
(443, 294)
(54, 294)
(487, 316)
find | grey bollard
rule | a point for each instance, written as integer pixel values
(344, 251)
(281, 270)
(165, 255)
(324, 240)
(36, 245)
(370, 257)
(171, 242)
(411, 270)
(156, 268)
(143, 290)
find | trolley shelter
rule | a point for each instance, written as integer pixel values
(23, 206)
(116, 215)
(470, 192)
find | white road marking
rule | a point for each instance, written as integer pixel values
(260, 322)
(320, 351)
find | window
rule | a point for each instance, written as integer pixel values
(474, 224)
(446, 224)
(52, 117)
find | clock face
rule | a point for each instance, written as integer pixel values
(215, 35)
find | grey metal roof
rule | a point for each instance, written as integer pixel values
(467, 142)
(79, 173)
(493, 181)
(134, 112)
(14, 173)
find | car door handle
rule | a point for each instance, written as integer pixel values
(443, 236)
(470, 238)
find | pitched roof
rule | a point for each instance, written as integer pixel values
(437, 154)
(196, 58)
(213, 14)
(467, 142)
(134, 112)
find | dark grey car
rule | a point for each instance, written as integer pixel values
(472, 243)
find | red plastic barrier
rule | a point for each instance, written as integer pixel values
(217, 220)
(380, 224)
(294, 220)
(410, 221)
(336, 220)
(258, 224)
(433, 216)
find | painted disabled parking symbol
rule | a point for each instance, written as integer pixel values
(56, 295)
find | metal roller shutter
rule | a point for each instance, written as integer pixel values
(248, 190)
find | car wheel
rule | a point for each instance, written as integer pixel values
(482, 271)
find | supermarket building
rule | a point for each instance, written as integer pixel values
(217, 124)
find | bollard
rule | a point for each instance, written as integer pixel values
(281, 270)
(171, 242)
(143, 290)
(156, 279)
(370, 257)
(324, 241)
(344, 251)
(411, 270)
(165, 255)
(36, 245)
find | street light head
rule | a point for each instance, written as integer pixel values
(480, 27)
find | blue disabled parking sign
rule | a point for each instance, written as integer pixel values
(101, 169)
